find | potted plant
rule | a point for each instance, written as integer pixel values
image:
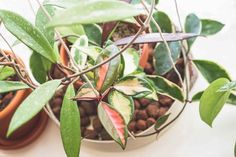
(11, 98)
(121, 71)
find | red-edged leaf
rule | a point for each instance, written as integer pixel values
(106, 74)
(114, 123)
(155, 37)
(122, 103)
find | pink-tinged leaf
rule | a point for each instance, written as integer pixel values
(155, 37)
(85, 93)
(105, 75)
(114, 123)
(102, 71)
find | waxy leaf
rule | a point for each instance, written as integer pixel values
(231, 86)
(166, 87)
(93, 32)
(192, 25)
(210, 70)
(162, 120)
(210, 27)
(6, 72)
(131, 61)
(33, 104)
(71, 32)
(80, 57)
(114, 123)
(8, 86)
(28, 34)
(163, 20)
(70, 124)
(123, 104)
(155, 37)
(162, 62)
(90, 12)
(197, 96)
(85, 93)
(40, 65)
(92, 51)
(212, 101)
(106, 74)
(132, 86)
(37, 67)
(231, 100)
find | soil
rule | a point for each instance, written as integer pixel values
(5, 98)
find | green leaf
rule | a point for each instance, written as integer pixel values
(90, 12)
(92, 51)
(6, 72)
(162, 120)
(231, 100)
(70, 124)
(41, 20)
(166, 87)
(162, 62)
(163, 20)
(37, 68)
(106, 74)
(28, 34)
(72, 31)
(210, 70)
(123, 104)
(8, 86)
(114, 123)
(80, 57)
(210, 27)
(32, 105)
(192, 25)
(211, 101)
(132, 86)
(197, 96)
(93, 32)
(131, 61)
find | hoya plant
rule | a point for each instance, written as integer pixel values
(84, 49)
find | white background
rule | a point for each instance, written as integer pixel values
(189, 137)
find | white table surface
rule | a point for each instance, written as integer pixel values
(189, 137)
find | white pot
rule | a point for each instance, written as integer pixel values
(111, 146)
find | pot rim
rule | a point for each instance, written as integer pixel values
(18, 95)
(34, 134)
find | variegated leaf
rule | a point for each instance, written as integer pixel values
(122, 103)
(107, 73)
(132, 86)
(131, 60)
(166, 87)
(114, 123)
(85, 93)
(80, 57)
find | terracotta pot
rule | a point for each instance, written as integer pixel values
(28, 132)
